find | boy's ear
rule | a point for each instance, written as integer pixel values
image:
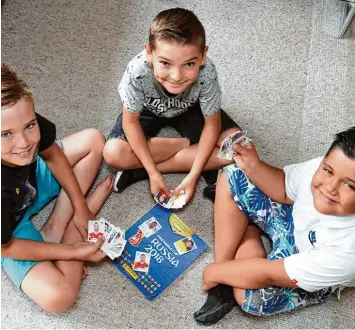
(203, 62)
(149, 52)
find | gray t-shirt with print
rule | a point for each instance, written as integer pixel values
(139, 89)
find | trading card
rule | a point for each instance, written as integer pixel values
(96, 229)
(235, 137)
(178, 200)
(117, 248)
(120, 234)
(162, 199)
(185, 245)
(150, 227)
(225, 150)
(141, 262)
(111, 255)
(110, 238)
(107, 226)
(245, 141)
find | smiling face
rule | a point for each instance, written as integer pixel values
(176, 66)
(20, 133)
(333, 185)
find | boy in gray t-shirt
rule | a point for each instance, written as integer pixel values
(170, 83)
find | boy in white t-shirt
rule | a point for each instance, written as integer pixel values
(307, 210)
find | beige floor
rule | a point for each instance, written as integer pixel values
(285, 78)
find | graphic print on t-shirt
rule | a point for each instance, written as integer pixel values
(161, 105)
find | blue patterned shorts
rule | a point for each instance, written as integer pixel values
(275, 220)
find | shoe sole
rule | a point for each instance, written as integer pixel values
(118, 175)
(220, 313)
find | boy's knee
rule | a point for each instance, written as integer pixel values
(116, 153)
(95, 139)
(58, 299)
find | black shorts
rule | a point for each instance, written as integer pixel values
(189, 124)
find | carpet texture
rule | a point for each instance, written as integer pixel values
(284, 76)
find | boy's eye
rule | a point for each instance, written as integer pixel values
(164, 63)
(30, 126)
(327, 170)
(189, 64)
(350, 185)
(5, 135)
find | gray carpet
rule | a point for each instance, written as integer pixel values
(285, 78)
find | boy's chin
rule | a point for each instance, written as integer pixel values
(325, 210)
(17, 161)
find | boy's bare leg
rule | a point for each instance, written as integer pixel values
(230, 227)
(118, 153)
(84, 153)
(251, 246)
(234, 239)
(230, 224)
(55, 285)
(182, 161)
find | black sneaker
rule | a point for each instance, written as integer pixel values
(210, 192)
(210, 176)
(220, 301)
(126, 178)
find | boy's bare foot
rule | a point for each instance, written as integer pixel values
(98, 197)
(95, 202)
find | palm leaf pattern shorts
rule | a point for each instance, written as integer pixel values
(275, 220)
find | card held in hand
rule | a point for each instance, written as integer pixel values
(226, 150)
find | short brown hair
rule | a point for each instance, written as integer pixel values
(13, 88)
(177, 25)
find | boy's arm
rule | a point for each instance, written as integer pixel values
(23, 249)
(270, 180)
(59, 166)
(138, 143)
(208, 140)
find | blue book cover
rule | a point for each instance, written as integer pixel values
(160, 246)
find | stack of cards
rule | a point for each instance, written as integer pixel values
(172, 202)
(226, 151)
(114, 237)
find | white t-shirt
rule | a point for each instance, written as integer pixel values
(139, 88)
(326, 243)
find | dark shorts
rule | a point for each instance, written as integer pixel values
(276, 221)
(189, 124)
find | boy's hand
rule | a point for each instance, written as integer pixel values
(87, 251)
(246, 157)
(189, 185)
(81, 218)
(157, 183)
